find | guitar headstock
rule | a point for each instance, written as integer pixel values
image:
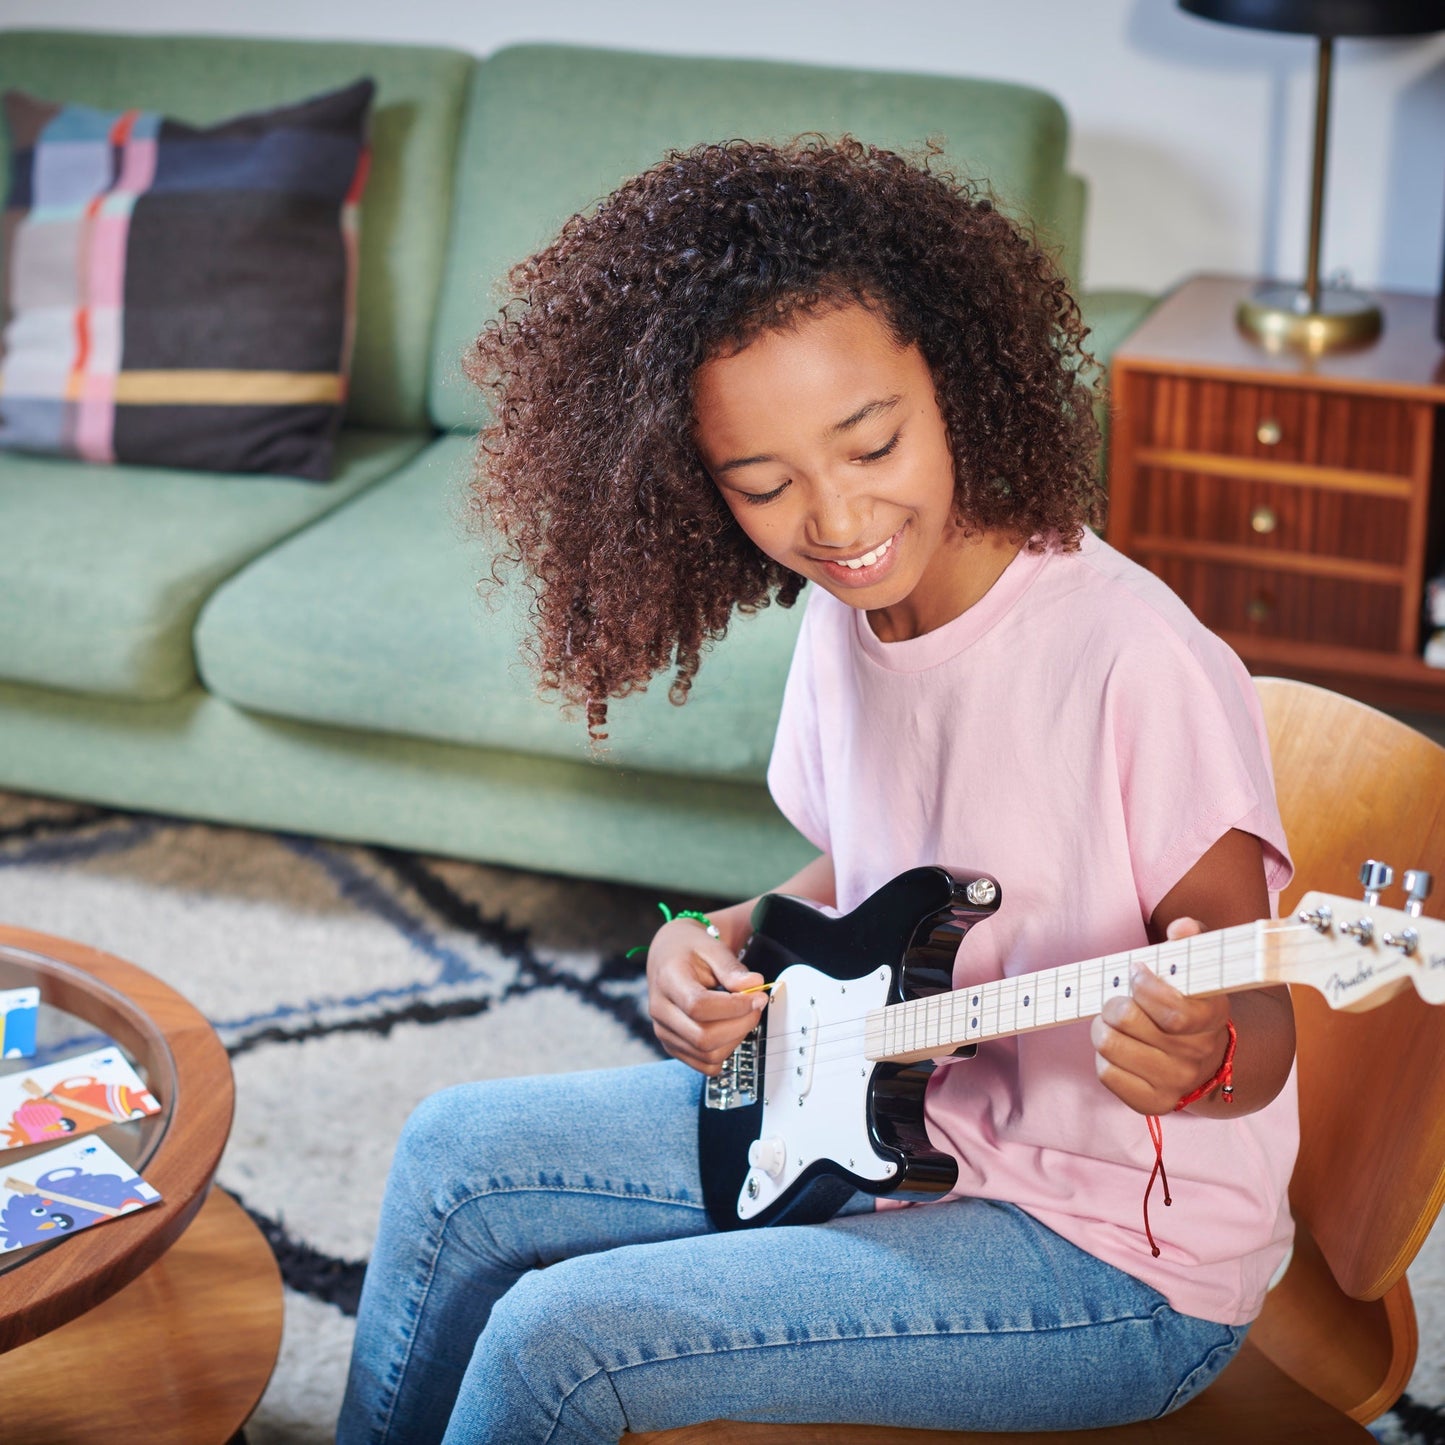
(1358, 953)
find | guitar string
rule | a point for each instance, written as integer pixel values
(1173, 952)
(826, 1051)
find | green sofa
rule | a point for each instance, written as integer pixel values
(315, 657)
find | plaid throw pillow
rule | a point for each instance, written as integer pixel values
(177, 296)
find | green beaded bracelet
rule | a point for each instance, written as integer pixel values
(668, 915)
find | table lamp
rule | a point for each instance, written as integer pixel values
(1311, 318)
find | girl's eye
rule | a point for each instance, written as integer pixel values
(883, 450)
(757, 498)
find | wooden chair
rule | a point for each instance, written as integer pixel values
(1336, 1342)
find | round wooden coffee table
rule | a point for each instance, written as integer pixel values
(176, 1323)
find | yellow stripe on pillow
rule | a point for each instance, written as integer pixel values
(229, 388)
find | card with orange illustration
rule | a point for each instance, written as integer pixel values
(69, 1097)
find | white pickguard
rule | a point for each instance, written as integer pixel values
(815, 1087)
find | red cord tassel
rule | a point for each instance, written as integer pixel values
(1223, 1080)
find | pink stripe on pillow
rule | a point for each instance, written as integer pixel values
(137, 167)
(105, 278)
(105, 334)
(95, 420)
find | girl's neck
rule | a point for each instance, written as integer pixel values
(962, 572)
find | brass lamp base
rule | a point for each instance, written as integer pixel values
(1281, 318)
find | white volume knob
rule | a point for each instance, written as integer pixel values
(768, 1155)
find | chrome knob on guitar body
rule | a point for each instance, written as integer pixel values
(1374, 876)
(1417, 885)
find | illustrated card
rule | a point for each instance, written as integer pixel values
(19, 1013)
(71, 1096)
(65, 1189)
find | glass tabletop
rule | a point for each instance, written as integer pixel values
(64, 1031)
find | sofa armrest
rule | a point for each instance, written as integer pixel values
(1111, 316)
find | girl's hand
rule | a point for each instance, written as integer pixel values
(693, 994)
(1156, 1047)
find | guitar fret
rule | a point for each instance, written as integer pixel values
(1206, 964)
(1046, 987)
(1171, 965)
(1114, 977)
(1242, 968)
(1007, 999)
(975, 1013)
(1067, 993)
(1027, 1015)
(990, 1010)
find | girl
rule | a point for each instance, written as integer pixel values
(752, 370)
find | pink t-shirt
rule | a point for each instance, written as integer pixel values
(1082, 737)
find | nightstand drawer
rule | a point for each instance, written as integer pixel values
(1268, 517)
(1299, 606)
(1287, 425)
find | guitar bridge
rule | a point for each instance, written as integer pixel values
(736, 1086)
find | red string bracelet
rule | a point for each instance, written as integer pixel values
(1223, 1080)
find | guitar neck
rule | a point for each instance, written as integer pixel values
(925, 1028)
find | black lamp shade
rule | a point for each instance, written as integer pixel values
(1326, 17)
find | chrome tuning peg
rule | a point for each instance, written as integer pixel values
(1374, 876)
(1417, 884)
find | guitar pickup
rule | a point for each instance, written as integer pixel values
(735, 1086)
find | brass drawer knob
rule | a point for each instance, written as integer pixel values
(1263, 520)
(1268, 433)
(1259, 608)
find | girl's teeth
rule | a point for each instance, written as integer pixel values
(868, 558)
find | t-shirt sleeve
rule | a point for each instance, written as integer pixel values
(1193, 759)
(795, 770)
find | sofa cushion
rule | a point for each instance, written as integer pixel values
(103, 569)
(552, 129)
(370, 620)
(415, 122)
(181, 296)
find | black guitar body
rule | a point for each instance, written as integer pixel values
(898, 944)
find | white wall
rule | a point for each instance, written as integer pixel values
(1194, 137)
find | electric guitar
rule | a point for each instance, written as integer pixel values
(825, 1096)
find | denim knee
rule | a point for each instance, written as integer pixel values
(1209, 1368)
(548, 1348)
(427, 1148)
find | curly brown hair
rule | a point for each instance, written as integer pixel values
(588, 468)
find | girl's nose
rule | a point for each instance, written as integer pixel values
(834, 519)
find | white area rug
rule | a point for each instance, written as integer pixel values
(360, 980)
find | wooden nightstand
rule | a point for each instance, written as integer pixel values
(1296, 503)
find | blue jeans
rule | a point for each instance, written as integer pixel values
(962, 1315)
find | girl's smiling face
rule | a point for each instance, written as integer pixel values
(828, 446)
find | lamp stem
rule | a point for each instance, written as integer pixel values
(1317, 184)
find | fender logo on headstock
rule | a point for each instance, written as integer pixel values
(1338, 987)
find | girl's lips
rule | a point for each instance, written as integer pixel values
(845, 576)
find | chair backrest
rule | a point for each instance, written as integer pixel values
(1354, 783)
